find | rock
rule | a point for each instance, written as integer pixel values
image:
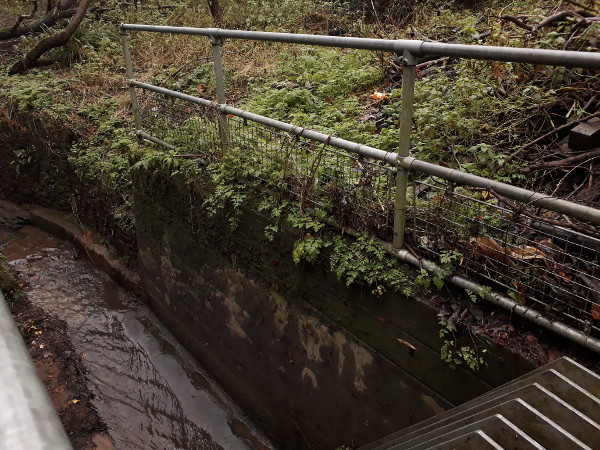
(11, 216)
(585, 136)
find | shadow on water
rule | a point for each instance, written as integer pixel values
(148, 389)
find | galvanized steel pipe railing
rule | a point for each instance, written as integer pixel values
(409, 50)
(350, 146)
(587, 60)
(576, 210)
(27, 419)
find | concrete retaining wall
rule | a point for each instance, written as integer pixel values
(313, 362)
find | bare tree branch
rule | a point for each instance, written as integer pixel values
(579, 5)
(546, 21)
(59, 11)
(22, 17)
(28, 61)
(216, 11)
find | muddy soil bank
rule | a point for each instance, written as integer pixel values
(144, 385)
(63, 374)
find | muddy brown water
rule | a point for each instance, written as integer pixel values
(151, 393)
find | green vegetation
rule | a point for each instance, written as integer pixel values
(456, 354)
(473, 116)
(9, 284)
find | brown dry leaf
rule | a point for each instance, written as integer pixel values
(547, 242)
(526, 252)
(381, 320)
(595, 311)
(408, 344)
(490, 248)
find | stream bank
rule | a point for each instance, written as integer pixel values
(148, 392)
(294, 346)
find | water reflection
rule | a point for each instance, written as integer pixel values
(148, 389)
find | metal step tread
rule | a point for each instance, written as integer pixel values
(555, 405)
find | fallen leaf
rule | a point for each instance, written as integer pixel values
(381, 320)
(75, 400)
(490, 248)
(595, 311)
(527, 252)
(411, 347)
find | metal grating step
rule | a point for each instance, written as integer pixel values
(555, 406)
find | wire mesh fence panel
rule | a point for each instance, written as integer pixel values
(356, 191)
(191, 128)
(536, 257)
(519, 250)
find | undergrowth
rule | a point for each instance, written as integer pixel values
(468, 115)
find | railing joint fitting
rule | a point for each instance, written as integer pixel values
(409, 59)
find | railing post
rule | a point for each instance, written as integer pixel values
(406, 115)
(129, 71)
(220, 85)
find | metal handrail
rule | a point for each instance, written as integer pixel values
(410, 51)
(587, 60)
(27, 418)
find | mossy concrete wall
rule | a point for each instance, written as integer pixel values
(36, 168)
(315, 364)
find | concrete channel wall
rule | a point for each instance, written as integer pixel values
(309, 359)
(27, 418)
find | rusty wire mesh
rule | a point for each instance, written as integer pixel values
(356, 191)
(190, 128)
(514, 249)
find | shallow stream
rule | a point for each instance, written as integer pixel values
(148, 389)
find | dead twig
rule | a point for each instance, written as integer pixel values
(520, 209)
(579, 5)
(565, 161)
(546, 21)
(566, 126)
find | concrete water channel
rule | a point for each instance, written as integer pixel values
(150, 392)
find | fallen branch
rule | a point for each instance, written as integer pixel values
(61, 11)
(579, 5)
(566, 161)
(546, 21)
(29, 60)
(518, 22)
(22, 17)
(566, 126)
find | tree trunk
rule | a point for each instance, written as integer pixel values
(28, 61)
(61, 11)
(216, 12)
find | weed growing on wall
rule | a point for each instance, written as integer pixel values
(456, 354)
(9, 283)
(364, 261)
